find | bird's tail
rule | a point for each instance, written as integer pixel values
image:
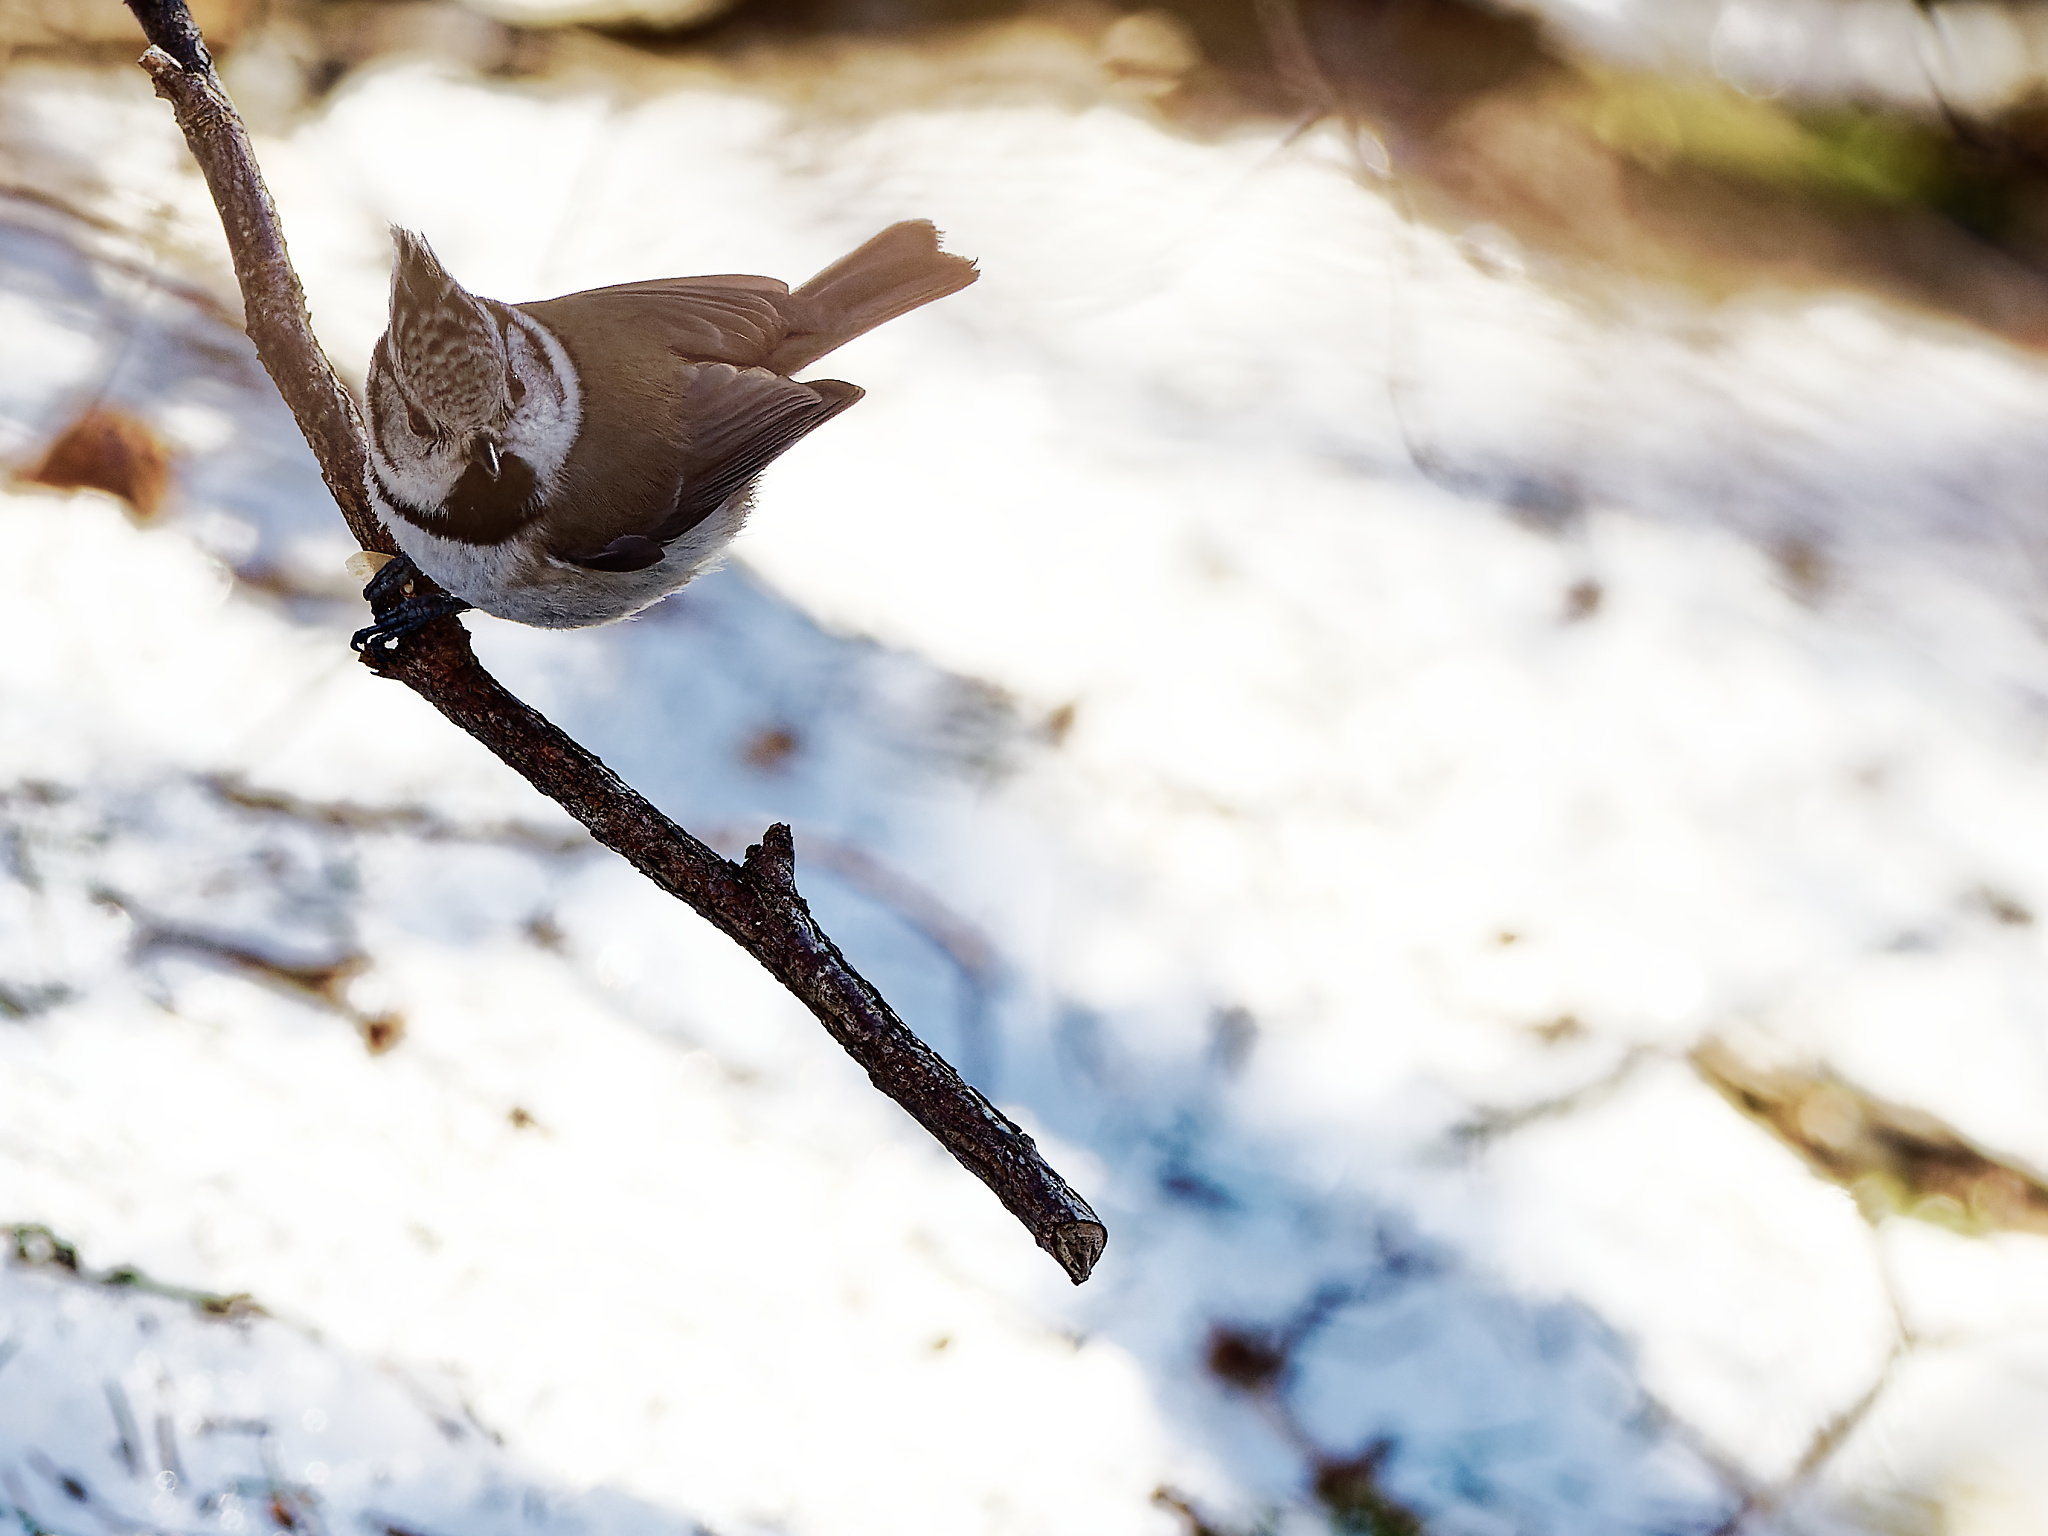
(894, 273)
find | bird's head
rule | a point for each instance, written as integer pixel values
(448, 358)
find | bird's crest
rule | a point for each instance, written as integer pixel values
(446, 349)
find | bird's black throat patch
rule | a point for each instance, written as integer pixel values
(480, 510)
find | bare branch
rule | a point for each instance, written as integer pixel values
(273, 303)
(755, 903)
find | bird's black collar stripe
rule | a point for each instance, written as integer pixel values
(480, 511)
(412, 512)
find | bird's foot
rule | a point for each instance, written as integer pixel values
(401, 608)
(409, 617)
(389, 583)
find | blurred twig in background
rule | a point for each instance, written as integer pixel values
(1895, 1159)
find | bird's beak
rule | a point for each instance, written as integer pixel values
(483, 453)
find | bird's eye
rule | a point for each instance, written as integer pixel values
(518, 386)
(417, 420)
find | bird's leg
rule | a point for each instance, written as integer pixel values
(400, 609)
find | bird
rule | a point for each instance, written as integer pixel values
(570, 461)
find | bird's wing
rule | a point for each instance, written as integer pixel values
(733, 319)
(735, 421)
(739, 421)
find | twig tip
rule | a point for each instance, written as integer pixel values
(1078, 1245)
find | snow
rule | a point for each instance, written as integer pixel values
(1976, 55)
(1243, 806)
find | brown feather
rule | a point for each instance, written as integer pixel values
(686, 395)
(741, 421)
(894, 273)
(706, 320)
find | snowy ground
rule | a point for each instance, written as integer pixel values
(1315, 718)
(1978, 55)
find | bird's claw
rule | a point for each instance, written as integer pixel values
(409, 617)
(388, 583)
(400, 610)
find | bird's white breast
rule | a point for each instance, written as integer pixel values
(518, 580)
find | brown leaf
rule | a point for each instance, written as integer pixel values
(772, 747)
(109, 450)
(1251, 1360)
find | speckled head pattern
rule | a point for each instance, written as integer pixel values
(446, 350)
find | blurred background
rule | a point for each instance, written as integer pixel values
(1438, 679)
